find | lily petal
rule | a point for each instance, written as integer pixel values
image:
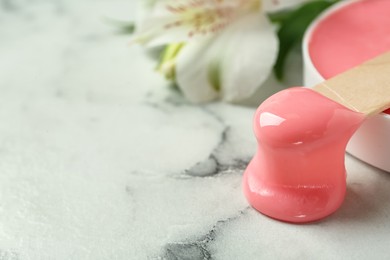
(277, 5)
(192, 74)
(152, 31)
(174, 21)
(249, 49)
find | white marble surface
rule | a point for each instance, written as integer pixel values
(99, 160)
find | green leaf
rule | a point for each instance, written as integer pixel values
(279, 17)
(124, 27)
(128, 28)
(293, 27)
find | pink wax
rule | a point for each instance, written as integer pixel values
(298, 172)
(351, 35)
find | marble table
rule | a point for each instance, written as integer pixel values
(99, 159)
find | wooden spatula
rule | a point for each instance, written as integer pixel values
(364, 89)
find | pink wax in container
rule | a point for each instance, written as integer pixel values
(349, 36)
(345, 35)
(298, 173)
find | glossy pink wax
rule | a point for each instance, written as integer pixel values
(298, 173)
(350, 35)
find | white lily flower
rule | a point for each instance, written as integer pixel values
(229, 45)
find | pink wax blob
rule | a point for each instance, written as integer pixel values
(298, 172)
(349, 36)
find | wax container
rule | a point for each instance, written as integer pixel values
(371, 142)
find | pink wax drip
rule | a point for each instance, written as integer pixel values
(351, 35)
(298, 172)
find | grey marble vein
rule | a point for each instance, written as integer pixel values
(212, 166)
(198, 249)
